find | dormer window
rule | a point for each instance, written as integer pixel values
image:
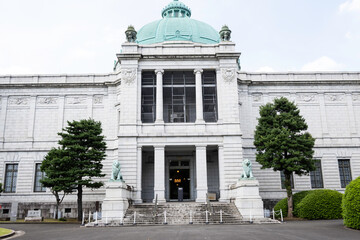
(176, 13)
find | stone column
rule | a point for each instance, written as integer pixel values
(201, 174)
(159, 96)
(159, 173)
(138, 198)
(223, 196)
(199, 96)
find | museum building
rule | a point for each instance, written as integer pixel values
(177, 111)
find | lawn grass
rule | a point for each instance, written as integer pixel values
(4, 231)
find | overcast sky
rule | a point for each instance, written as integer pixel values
(83, 36)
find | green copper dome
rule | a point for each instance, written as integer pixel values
(177, 25)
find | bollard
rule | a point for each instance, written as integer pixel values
(96, 219)
(282, 219)
(221, 221)
(191, 222)
(83, 219)
(165, 217)
(207, 217)
(89, 216)
(134, 218)
(106, 223)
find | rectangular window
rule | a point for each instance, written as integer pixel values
(148, 97)
(10, 178)
(209, 96)
(282, 176)
(38, 187)
(179, 97)
(345, 172)
(316, 176)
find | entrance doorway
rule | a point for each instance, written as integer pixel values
(179, 177)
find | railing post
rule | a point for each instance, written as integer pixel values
(83, 219)
(251, 217)
(273, 214)
(221, 221)
(191, 221)
(165, 217)
(207, 217)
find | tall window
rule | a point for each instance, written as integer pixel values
(209, 96)
(179, 96)
(282, 176)
(345, 172)
(10, 177)
(316, 176)
(148, 97)
(38, 187)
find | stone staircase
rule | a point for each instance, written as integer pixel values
(178, 213)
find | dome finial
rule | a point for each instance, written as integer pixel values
(176, 9)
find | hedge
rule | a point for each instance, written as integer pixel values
(321, 204)
(351, 204)
(282, 204)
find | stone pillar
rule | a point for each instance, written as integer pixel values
(199, 96)
(222, 187)
(201, 174)
(159, 173)
(159, 96)
(138, 198)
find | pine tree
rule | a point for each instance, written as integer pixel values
(282, 143)
(82, 150)
(57, 176)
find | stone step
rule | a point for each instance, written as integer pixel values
(179, 213)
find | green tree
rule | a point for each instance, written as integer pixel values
(282, 143)
(82, 149)
(85, 146)
(1, 190)
(57, 175)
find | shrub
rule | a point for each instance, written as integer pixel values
(321, 204)
(62, 219)
(282, 204)
(351, 204)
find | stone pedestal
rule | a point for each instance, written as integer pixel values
(116, 202)
(248, 199)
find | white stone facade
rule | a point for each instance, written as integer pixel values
(34, 108)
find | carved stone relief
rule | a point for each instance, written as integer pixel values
(257, 97)
(98, 100)
(76, 100)
(334, 97)
(19, 101)
(47, 100)
(306, 97)
(356, 97)
(128, 76)
(228, 74)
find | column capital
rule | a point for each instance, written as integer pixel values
(159, 71)
(159, 146)
(198, 70)
(199, 146)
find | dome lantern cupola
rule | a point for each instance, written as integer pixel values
(176, 9)
(177, 25)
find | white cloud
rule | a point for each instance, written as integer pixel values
(350, 6)
(265, 69)
(322, 64)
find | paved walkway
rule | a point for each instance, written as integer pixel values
(316, 230)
